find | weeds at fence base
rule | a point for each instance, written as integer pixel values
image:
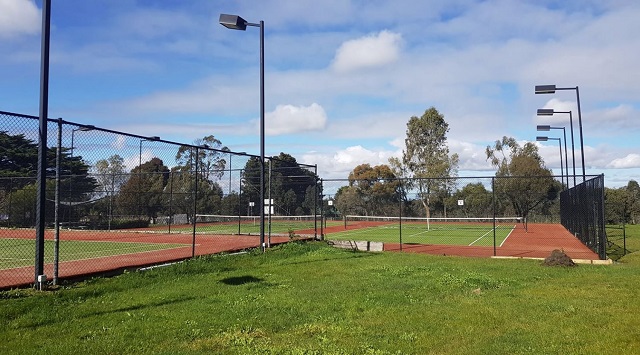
(558, 258)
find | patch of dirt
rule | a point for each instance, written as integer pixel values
(558, 258)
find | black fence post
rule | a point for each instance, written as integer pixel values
(400, 224)
(195, 208)
(493, 203)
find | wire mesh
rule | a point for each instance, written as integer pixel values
(119, 200)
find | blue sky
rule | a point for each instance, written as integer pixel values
(342, 77)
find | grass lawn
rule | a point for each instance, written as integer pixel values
(19, 252)
(451, 234)
(313, 299)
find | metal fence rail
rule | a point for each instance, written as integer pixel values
(116, 200)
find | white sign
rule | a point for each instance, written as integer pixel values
(330, 202)
(268, 206)
(251, 203)
(460, 202)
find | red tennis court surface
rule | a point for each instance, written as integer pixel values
(204, 245)
(538, 241)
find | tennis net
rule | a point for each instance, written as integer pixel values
(443, 223)
(225, 224)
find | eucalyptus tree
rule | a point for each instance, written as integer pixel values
(427, 157)
(521, 175)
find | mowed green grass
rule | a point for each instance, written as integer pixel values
(617, 241)
(20, 252)
(308, 298)
(420, 233)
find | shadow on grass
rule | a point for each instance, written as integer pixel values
(240, 280)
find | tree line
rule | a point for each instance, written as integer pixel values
(425, 180)
(622, 205)
(107, 195)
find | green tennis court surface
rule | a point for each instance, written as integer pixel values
(19, 252)
(480, 234)
(230, 225)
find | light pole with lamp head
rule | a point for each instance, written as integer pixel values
(544, 139)
(235, 22)
(551, 112)
(83, 128)
(551, 89)
(547, 128)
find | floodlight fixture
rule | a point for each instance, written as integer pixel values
(233, 22)
(545, 112)
(545, 89)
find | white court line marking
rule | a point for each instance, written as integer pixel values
(511, 231)
(484, 235)
(504, 240)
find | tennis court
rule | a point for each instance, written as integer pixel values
(16, 252)
(468, 238)
(446, 231)
(88, 252)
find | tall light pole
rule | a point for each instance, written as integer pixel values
(551, 89)
(551, 112)
(544, 139)
(566, 158)
(235, 22)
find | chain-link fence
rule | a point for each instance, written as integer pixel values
(482, 216)
(116, 200)
(583, 214)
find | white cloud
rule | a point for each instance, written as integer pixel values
(367, 52)
(18, 17)
(286, 119)
(472, 156)
(630, 161)
(559, 119)
(339, 164)
(621, 117)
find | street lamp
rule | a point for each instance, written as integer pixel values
(235, 22)
(551, 112)
(566, 158)
(551, 89)
(544, 139)
(150, 139)
(81, 129)
(84, 128)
